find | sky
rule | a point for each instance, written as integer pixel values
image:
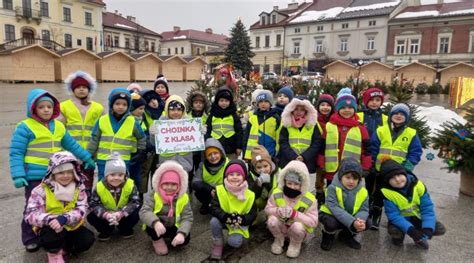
(220, 15)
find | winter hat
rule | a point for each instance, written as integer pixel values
(170, 176)
(224, 92)
(120, 95)
(63, 167)
(161, 81)
(174, 104)
(79, 81)
(287, 91)
(115, 164)
(44, 98)
(134, 87)
(80, 78)
(148, 95)
(349, 164)
(372, 93)
(235, 168)
(325, 98)
(256, 92)
(137, 101)
(259, 153)
(345, 98)
(292, 176)
(390, 168)
(401, 108)
(210, 150)
(264, 95)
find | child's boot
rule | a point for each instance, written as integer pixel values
(277, 246)
(352, 242)
(217, 248)
(294, 249)
(376, 216)
(56, 257)
(327, 241)
(160, 247)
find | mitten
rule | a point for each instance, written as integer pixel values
(428, 232)
(20, 182)
(408, 166)
(90, 165)
(264, 178)
(415, 234)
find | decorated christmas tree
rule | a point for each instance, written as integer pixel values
(238, 53)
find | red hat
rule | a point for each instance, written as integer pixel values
(372, 93)
(79, 81)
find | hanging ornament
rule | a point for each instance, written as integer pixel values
(463, 134)
(430, 156)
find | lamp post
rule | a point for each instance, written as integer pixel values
(357, 88)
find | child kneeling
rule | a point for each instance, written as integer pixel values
(292, 209)
(57, 206)
(346, 207)
(166, 211)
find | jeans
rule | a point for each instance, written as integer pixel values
(234, 240)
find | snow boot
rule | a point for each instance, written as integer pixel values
(293, 249)
(277, 246)
(352, 242)
(327, 241)
(217, 249)
(160, 247)
(376, 217)
(56, 257)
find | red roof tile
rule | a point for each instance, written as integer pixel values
(119, 22)
(194, 35)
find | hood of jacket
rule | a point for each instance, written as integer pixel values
(62, 158)
(148, 95)
(190, 98)
(92, 82)
(295, 167)
(33, 96)
(178, 99)
(171, 166)
(128, 97)
(212, 142)
(336, 182)
(311, 113)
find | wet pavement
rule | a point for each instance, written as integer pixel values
(452, 208)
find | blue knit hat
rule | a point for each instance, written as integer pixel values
(345, 98)
(287, 91)
(401, 108)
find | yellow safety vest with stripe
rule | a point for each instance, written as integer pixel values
(122, 141)
(180, 205)
(45, 143)
(81, 129)
(268, 127)
(300, 139)
(352, 146)
(361, 196)
(108, 200)
(396, 150)
(384, 118)
(407, 208)
(303, 204)
(222, 127)
(320, 128)
(230, 204)
(56, 207)
(214, 179)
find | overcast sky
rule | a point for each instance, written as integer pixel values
(220, 15)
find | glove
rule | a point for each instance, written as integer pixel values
(20, 182)
(264, 178)
(138, 157)
(415, 234)
(62, 220)
(178, 240)
(90, 165)
(152, 130)
(159, 228)
(428, 232)
(203, 129)
(408, 166)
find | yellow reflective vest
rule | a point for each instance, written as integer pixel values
(352, 146)
(396, 150)
(303, 204)
(268, 128)
(45, 143)
(361, 196)
(214, 179)
(180, 205)
(108, 200)
(122, 141)
(56, 207)
(230, 204)
(407, 208)
(300, 139)
(81, 129)
(222, 127)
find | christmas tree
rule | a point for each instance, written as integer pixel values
(238, 52)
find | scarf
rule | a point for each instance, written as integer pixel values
(197, 114)
(222, 113)
(168, 199)
(323, 119)
(298, 123)
(338, 120)
(164, 96)
(214, 168)
(155, 114)
(64, 193)
(238, 191)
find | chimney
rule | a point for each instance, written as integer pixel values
(176, 29)
(292, 5)
(275, 8)
(209, 30)
(116, 12)
(440, 2)
(132, 18)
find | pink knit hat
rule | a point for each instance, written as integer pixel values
(235, 168)
(170, 177)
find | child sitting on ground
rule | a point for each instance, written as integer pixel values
(263, 176)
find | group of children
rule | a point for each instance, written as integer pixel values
(289, 150)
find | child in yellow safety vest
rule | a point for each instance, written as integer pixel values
(346, 207)
(232, 208)
(263, 176)
(34, 141)
(166, 211)
(210, 173)
(57, 207)
(292, 209)
(114, 201)
(138, 111)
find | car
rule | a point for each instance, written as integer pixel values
(269, 75)
(309, 75)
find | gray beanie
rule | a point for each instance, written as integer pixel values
(292, 176)
(115, 164)
(264, 95)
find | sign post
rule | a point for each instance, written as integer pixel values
(176, 136)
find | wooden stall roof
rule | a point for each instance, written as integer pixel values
(107, 54)
(337, 62)
(141, 56)
(378, 63)
(167, 58)
(191, 59)
(455, 65)
(417, 63)
(19, 49)
(69, 51)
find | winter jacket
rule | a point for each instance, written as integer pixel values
(394, 216)
(265, 135)
(35, 213)
(147, 214)
(22, 136)
(232, 143)
(198, 176)
(372, 119)
(263, 192)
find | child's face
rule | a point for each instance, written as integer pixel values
(120, 106)
(347, 112)
(169, 188)
(264, 105)
(374, 103)
(398, 181)
(235, 179)
(175, 114)
(293, 185)
(349, 180)
(263, 167)
(153, 104)
(223, 103)
(282, 99)
(198, 105)
(299, 112)
(138, 112)
(115, 179)
(81, 92)
(398, 118)
(214, 157)
(44, 110)
(160, 89)
(325, 108)
(64, 178)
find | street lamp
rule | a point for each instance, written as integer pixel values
(357, 88)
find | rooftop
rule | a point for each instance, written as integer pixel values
(115, 20)
(192, 34)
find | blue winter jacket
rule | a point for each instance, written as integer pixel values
(22, 136)
(428, 216)
(372, 120)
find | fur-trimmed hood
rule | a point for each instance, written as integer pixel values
(298, 168)
(84, 75)
(170, 99)
(192, 95)
(311, 113)
(171, 166)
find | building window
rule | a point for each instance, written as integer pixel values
(370, 43)
(319, 46)
(444, 45)
(136, 43)
(296, 47)
(263, 21)
(88, 17)
(116, 41)
(67, 14)
(8, 4)
(182, 50)
(400, 47)
(277, 68)
(68, 40)
(278, 40)
(343, 44)
(169, 51)
(146, 45)
(108, 41)
(414, 46)
(319, 28)
(198, 51)
(267, 41)
(79, 42)
(266, 68)
(297, 30)
(127, 42)
(9, 32)
(345, 25)
(472, 43)
(175, 50)
(372, 22)
(152, 46)
(89, 44)
(274, 19)
(44, 9)
(257, 41)
(45, 35)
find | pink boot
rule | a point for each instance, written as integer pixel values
(160, 247)
(217, 248)
(56, 257)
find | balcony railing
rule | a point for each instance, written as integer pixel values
(21, 42)
(130, 50)
(27, 13)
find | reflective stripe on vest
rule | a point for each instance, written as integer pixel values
(109, 201)
(361, 196)
(303, 204)
(352, 146)
(180, 205)
(45, 143)
(319, 128)
(384, 119)
(266, 128)
(80, 129)
(300, 140)
(230, 204)
(120, 142)
(222, 127)
(406, 207)
(214, 179)
(56, 207)
(396, 150)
